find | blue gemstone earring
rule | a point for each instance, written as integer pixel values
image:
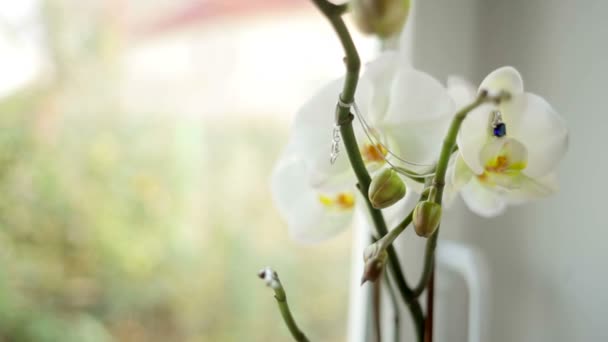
(498, 127)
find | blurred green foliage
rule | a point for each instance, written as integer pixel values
(86, 217)
(126, 229)
(118, 226)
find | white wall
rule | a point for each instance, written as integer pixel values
(548, 260)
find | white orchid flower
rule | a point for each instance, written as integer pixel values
(409, 112)
(507, 153)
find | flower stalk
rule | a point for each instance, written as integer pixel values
(380, 246)
(438, 184)
(272, 280)
(449, 142)
(344, 120)
(436, 195)
(495, 168)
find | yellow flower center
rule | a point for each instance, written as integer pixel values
(373, 153)
(342, 201)
(500, 166)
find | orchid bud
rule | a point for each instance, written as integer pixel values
(427, 216)
(383, 18)
(386, 189)
(270, 277)
(374, 266)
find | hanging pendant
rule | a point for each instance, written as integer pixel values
(335, 145)
(499, 129)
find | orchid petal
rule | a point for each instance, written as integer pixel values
(312, 131)
(418, 115)
(450, 189)
(482, 200)
(514, 152)
(461, 91)
(473, 136)
(458, 175)
(530, 188)
(416, 97)
(417, 142)
(533, 121)
(380, 75)
(462, 174)
(504, 79)
(476, 129)
(308, 220)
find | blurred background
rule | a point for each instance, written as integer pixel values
(547, 260)
(137, 138)
(136, 144)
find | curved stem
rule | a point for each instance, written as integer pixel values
(350, 144)
(344, 118)
(449, 143)
(272, 280)
(430, 299)
(297, 334)
(387, 240)
(353, 63)
(448, 147)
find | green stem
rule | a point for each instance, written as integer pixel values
(272, 280)
(297, 334)
(448, 147)
(450, 141)
(438, 184)
(344, 117)
(352, 149)
(353, 63)
(390, 237)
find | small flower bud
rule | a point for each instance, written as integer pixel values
(386, 189)
(383, 18)
(427, 216)
(373, 267)
(270, 277)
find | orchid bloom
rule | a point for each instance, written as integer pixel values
(409, 112)
(507, 153)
